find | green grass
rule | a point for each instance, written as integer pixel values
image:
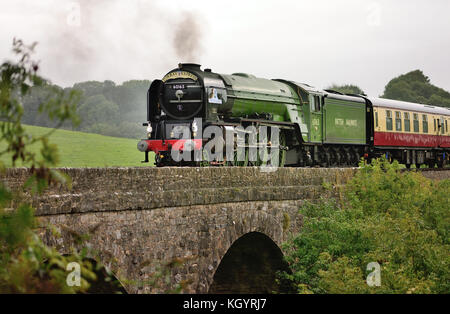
(78, 149)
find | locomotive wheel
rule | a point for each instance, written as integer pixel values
(328, 156)
(282, 152)
(302, 158)
(332, 157)
(347, 157)
(158, 161)
(264, 139)
(325, 159)
(239, 163)
(263, 160)
(259, 156)
(205, 159)
(337, 155)
(253, 158)
(357, 158)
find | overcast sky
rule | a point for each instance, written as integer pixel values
(318, 42)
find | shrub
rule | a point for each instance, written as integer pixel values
(26, 264)
(397, 219)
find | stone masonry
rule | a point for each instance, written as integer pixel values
(138, 219)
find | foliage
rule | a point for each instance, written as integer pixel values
(347, 89)
(105, 108)
(398, 219)
(161, 274)
(26, 264)
(16, 81)
(416, 87)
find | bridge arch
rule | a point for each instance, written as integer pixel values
(250, 266)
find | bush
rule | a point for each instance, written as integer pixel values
(397, 219)
(26, 264)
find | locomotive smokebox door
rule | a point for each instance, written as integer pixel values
(182, 95)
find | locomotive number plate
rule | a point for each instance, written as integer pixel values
(178, 86)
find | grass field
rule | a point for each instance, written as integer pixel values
(78, 149)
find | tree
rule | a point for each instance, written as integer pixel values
(415, 87)
(97, 109)
(27, 265)
(105, 108)
(110, 109)
(89, 88)
(347, 89)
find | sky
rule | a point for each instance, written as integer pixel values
(320, 42)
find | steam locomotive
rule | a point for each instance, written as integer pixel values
(315, 127)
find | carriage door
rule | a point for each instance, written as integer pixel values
(316, 118)
(441, 130)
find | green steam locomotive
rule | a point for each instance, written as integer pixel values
(316, 127)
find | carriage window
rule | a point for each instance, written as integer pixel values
(398, 121)
(388, 120)
(425, 123)
(416, 122)
(376, 119)
(434, 124)
(446, 126)
(407, 122)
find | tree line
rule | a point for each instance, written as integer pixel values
(103, 107)
(119, 110)
(413, 86)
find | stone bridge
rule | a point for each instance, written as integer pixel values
(211, 229)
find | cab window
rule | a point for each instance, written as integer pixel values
(316, 105)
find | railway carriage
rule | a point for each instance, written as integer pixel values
(316, 127)
(412, 133)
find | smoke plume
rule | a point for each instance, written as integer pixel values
(116, 40)
(187, 41)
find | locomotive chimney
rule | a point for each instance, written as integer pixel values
(192, 66)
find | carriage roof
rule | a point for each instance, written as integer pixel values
(403, 105)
